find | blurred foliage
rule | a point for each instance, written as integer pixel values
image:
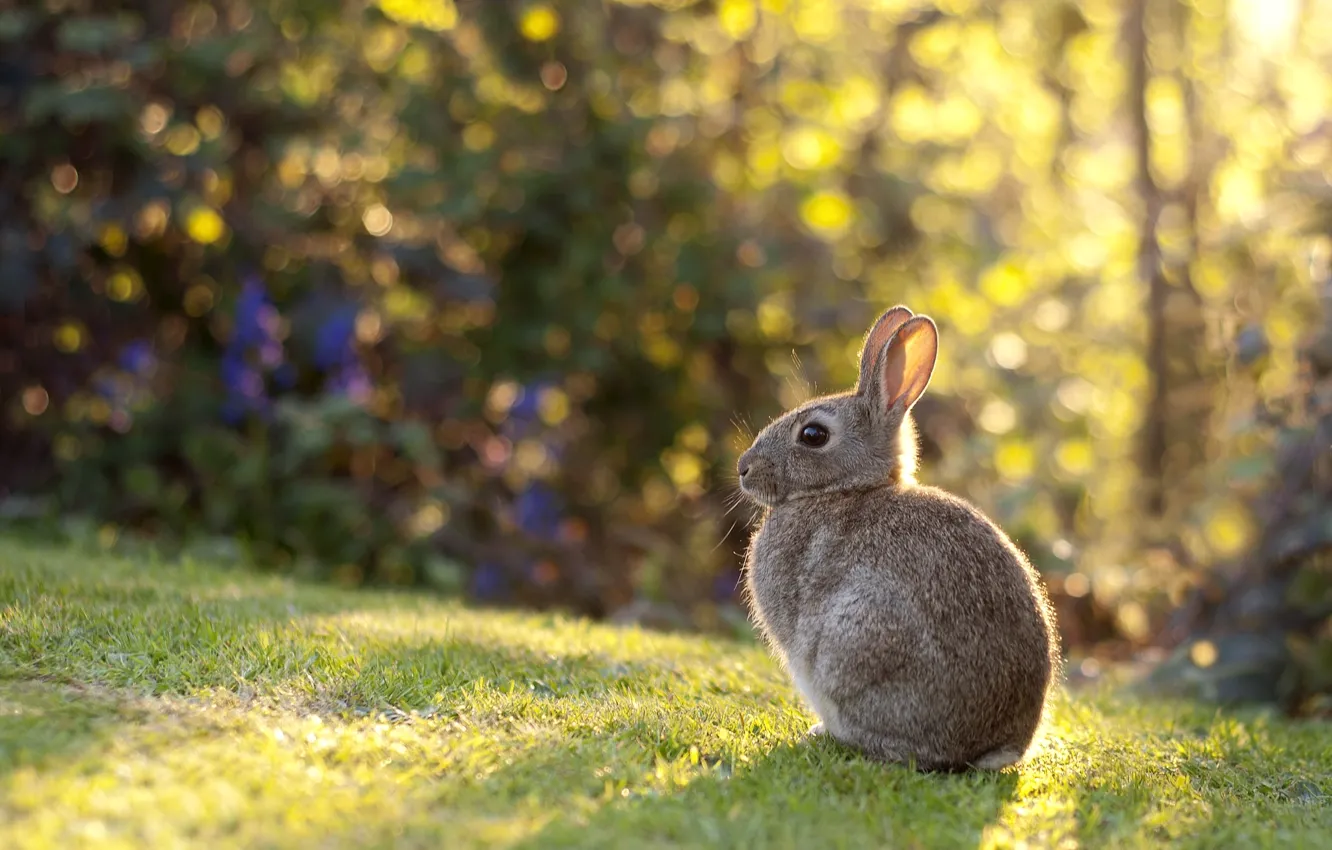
(476, 290)
(1259, 627)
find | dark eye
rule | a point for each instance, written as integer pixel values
(814, 435)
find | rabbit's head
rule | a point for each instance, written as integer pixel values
(853, 440)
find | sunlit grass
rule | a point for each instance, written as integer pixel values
(162, 705)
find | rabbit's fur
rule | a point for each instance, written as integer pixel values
(911, 624)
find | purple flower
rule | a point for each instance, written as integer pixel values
(255, 314)
(270, 353)
(488, 582)
(253, 354)
(234, 367)
(352, 382)
(335, 353)
(123, 387)
(537, 511)
(251, 384)
(137, 357)
(335, 339)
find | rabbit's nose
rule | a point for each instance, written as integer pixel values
(744, 464)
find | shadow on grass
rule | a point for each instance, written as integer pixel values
(799, 795)
(608, 792)
(796, 795)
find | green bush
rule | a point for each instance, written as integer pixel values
(287, 271)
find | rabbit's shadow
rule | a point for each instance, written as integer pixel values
(813, 792)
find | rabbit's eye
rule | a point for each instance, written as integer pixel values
(814, 435)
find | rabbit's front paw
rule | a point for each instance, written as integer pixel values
(816, 730)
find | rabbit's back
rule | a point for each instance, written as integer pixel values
(905, 607)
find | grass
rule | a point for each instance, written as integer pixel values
(167, 705)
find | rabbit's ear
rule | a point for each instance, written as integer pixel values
(876, 339)
(907, 364)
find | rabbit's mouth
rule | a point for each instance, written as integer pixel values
(758, 489)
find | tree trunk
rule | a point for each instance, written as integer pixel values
(1181, 391)
(1154, 444)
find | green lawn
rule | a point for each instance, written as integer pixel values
(166, 705)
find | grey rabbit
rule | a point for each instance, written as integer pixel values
(911, 624)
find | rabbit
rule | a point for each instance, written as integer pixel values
(915, 629)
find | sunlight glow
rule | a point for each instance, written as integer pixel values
(1267, 24)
